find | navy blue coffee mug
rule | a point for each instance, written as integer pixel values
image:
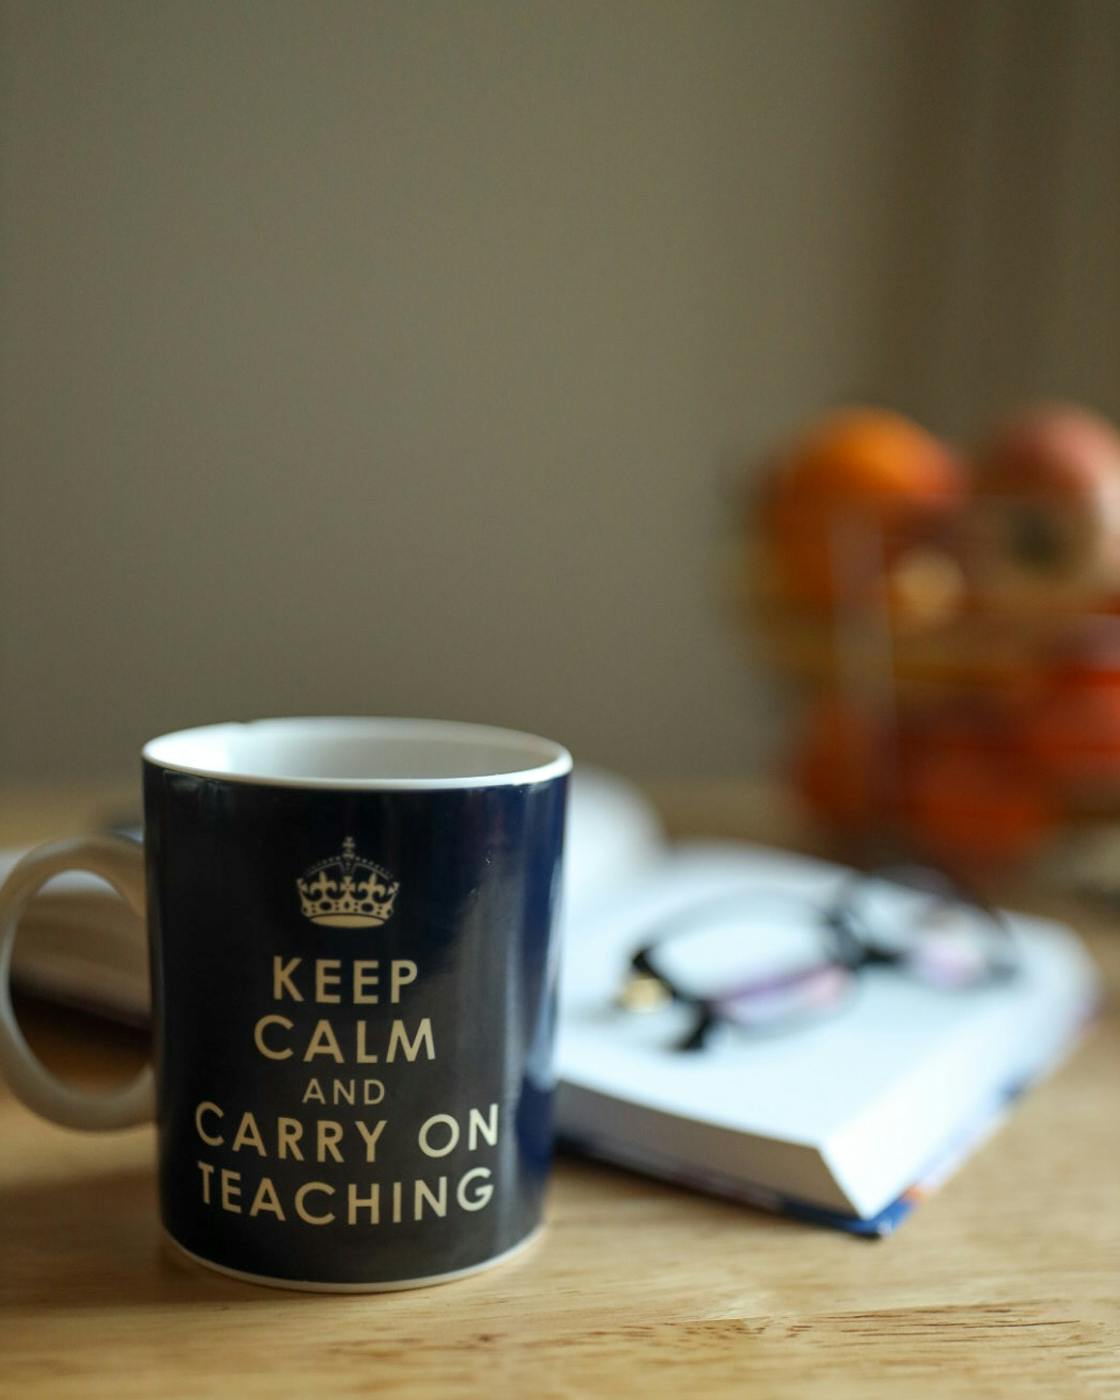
(353, 956)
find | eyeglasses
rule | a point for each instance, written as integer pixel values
(768, 960)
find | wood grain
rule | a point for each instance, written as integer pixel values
(1004, 1284)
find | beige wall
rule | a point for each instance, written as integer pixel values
(394, 357)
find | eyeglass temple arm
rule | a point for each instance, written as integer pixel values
(706, 1017)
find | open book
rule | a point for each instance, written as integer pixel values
(846, 1120)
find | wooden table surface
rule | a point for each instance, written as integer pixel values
(1004, 1284)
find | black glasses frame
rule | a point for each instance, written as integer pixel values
(845, 944)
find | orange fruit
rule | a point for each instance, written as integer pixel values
(1073, 732)
(966, 797)
(855, 492)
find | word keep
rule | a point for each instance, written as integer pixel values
(323, 980)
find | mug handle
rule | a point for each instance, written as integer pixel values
(121, 863)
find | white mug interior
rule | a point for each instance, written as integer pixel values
(361, 753)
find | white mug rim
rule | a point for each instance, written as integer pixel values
(544, 759)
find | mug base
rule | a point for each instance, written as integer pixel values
(393, 1286)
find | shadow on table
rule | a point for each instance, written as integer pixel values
(97, 1246)
(613, 1182)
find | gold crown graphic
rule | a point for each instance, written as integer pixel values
(347, 891)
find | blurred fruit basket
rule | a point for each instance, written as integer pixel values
(950, 623)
